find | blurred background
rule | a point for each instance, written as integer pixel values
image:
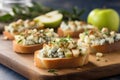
(87, 5)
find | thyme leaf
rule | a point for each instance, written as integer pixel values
(53, 71)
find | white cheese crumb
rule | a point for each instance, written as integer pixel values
(98, 54)
(92, 37)
(118, 36)
(110, 40)
(64, 26)
(102, 41)
(87, 40)
(104, 30)
(112, 33)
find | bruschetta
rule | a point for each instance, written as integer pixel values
(73, 28)
(32, 40)
(61, 53)
(104, 41)
(19, 26)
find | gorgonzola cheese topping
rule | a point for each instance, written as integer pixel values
(96, 37)
(62, 48)
(21, 25)
(31, 37)
(75, 25)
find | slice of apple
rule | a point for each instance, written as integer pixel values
(51, 19)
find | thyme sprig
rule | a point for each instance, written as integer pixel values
(53, 71)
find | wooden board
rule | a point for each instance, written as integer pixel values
(23, 63)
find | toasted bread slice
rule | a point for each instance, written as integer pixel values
(26, 48)
(70, 33)
(106, 48)
(53, 63)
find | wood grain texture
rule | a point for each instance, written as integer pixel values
(109, 65)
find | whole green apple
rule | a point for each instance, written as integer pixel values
(104, 18)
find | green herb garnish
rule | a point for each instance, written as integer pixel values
(53, 71)
(86, 32)
(19, 41)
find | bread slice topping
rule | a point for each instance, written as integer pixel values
(95, 37)
(75, 25)
(21, 25)
(62, 48)
(34, 36)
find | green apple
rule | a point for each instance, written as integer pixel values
(104, 18)
(51, 19)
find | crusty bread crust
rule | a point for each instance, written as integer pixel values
(8, 35)
(107, 48)
(70, 33)
(26, 49)
(53, 63)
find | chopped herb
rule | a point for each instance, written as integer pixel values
(52, 71)
(86, 32)
(63, 40)
(19, 41)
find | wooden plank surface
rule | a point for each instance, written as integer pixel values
(23, 63)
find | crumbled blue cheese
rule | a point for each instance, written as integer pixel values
(55, 50)
(110, 40)
(41, 40)
(75, 26)
(98, 54)
(112, 33)
(92, 37)
(64, 26)
(96, 42)
(30, 37)
(102, 41)
(87, 39)
(21, 25)
(99, 37)
(117, 36)
(29, 42)
(61, 54)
